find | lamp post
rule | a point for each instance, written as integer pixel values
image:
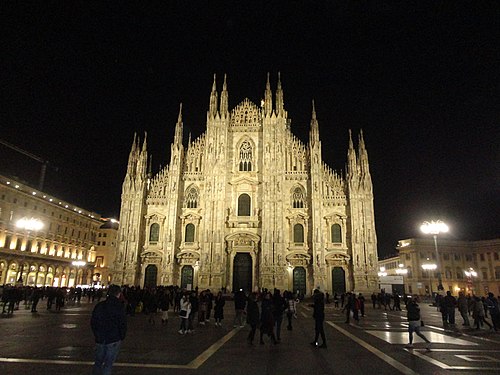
(28, 225)
(434, 228)
(429, 268)
(471, 274)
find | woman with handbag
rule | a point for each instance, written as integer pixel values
(185, 311)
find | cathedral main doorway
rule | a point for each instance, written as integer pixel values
(299, 280)
(242, 272)
(338, 280)
(150, 276)
(187, 277)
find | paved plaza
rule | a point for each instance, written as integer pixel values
(62, 343)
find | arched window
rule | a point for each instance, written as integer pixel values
(409, 273)
(244, 205)
(246, 156)
(298, 198)
(191, 198)
(460, 273)
(189, 237)
(336, 233)
(484, 273)
(447, 273)
(298, 233)
(154, 232)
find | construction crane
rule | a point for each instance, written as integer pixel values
(45, 163)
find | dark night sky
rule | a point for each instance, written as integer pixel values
(420, 78)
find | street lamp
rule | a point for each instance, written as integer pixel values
(28, 225)
(401, 270)
(470, 273)
(434, 228)
(429, 268)
(382, 272)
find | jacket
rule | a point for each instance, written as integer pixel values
(108, 321)
(413, 312)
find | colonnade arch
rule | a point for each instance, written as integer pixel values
(39, 273)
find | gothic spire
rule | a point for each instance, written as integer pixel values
(224, 99)
(144, 144)
(279, 98)
(212, 110)
(132, 157)
(268, 98)
(178, 128)
(142, 161)
(363, 156)
(314, 132)
(352, 167)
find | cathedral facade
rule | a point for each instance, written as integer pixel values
(248, 205)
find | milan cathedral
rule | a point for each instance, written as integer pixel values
(248, 205)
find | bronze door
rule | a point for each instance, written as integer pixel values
(242, 272)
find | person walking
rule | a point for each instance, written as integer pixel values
(463, 307)
(291, 304)
(374, 299)
(279, 306)
(239, 307)
(184, 313)
(492, 304)
(219, 309)
(267, 319)
(109, 325)
(164, 304)
(319, 318)
(348, 307)
(448, 309)
(252, 316)
(478, 314)
(414, 323)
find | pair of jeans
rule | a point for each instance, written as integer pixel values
(105, 355)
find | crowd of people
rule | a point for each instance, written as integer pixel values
(479, 308)
(12, 296)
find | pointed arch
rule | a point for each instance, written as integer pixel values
(192, 197)
(298, 197)
(246, 155)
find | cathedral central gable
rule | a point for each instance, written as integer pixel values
(246, 116)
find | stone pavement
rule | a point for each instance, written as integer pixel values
(62, 343)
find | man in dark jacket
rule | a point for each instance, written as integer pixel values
(448, 304)
(109, 326)
(414, 323)
(319, 318)
(253, 316)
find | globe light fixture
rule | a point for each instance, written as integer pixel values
(382, 272)
(435, 228)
